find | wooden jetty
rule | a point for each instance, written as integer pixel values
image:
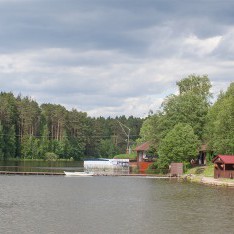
(30, 173)
(97, 174)
(155, 176)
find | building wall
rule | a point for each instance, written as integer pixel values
(110, 163)
(176, 169)
(143, 166)
(223, 174)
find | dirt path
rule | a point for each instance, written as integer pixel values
(217, 182)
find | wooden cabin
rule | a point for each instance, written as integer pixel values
(144, 160)
(141, 151)
(223, 166)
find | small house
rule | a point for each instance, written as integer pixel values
(141, 151)
(223, 166)
(144, 159)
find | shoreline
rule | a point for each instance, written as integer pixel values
(208, 180)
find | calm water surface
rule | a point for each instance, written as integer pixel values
(41, 166)
(105, 205)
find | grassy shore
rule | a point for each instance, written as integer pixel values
(205, 175)
(131, 156)
(207, 171)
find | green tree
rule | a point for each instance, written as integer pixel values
(55, 117)
(8, 118)
(50, 156)
(10, 143)
(44, 144)
(26, 147)
(29, 130)
(29, 116)
(135, 125)
(1, 142)
(92, 147)
(220, 123)
(153, 129)
(189, 107)
(78, 129)
(179, 145)
(199, 85)
(108, 148)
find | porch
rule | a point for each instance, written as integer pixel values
(224, 166)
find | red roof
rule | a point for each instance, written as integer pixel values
(143, 147)
(226, 159)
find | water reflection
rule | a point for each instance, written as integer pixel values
(41, 166)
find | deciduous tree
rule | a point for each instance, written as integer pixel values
(179, 145)
(220, 123)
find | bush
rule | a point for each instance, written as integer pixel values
(156, 169)
(50, 156)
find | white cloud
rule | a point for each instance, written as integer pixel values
(138, 107)
(112, 60)
(121, 85)
(202, 46)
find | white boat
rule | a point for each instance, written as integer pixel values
(69, 173)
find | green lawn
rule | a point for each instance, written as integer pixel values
(207, 171)
(131, 156)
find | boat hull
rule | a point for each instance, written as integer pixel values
(84, 174)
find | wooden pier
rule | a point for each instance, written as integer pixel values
(25, 173)
(30, 173)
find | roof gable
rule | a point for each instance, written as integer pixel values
(143, 147)
(226, 159)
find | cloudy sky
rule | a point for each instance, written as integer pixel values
(113, 57)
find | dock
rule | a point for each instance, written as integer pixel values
(25, 173)
(135, 175)
(30, 173)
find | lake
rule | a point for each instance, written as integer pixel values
(119, 205)
(41, 166)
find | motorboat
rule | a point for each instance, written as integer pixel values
(85, 173)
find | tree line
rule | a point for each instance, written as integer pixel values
(189, 119)
(30, 131)
(176, 131)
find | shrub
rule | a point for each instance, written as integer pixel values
(51, 156)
